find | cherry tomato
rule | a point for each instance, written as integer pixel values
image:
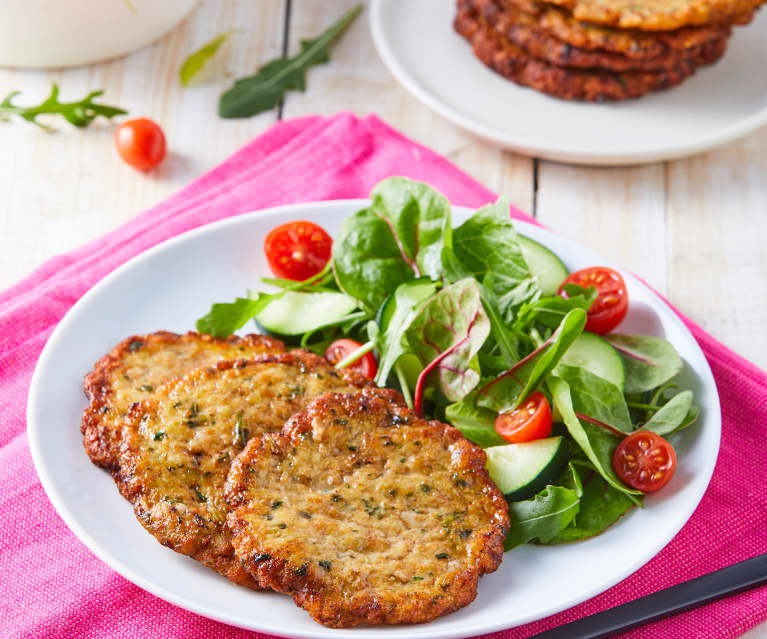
(141, 143)
(532, 420)
(612, 302)
(344, 347)
(297, 250)
(645, 461)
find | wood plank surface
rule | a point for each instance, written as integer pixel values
(693, 228)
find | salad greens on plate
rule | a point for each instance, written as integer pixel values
(485, 329)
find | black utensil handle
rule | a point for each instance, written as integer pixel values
(664, 603)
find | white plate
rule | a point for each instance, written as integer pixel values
(719, 103)
(171, 285)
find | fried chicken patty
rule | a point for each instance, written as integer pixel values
(512, 62)
(523, 30)
(632, 43)
(659, 15)
(136, 366)
(366, 513)
(177, 446)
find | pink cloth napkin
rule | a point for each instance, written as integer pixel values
(52, 586)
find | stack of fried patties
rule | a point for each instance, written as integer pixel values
(281, 473)
(600, 49)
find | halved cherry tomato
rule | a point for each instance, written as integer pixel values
(297, 250)
(645, 461)
(343, 348)
(141, 143)
(612, 302)
(532, 420)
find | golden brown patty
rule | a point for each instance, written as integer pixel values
(178, 445)
(509, 60)
(659, 15)
(366, 513)
(632, 43)
(523, 30)
(136, 366)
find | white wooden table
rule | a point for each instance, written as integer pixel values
(694, 228)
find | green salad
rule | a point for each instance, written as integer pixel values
(486, 329)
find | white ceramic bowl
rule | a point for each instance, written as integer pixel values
(54, 33)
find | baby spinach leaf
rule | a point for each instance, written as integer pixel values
(549, 311)
(196, 62)
(486, 246)
(509, 389)
(446, 336)
(600, 507)
(419, 217)
(265, 89)
(649, 361)
(541, 518)
(225, 318)
(476, 424)
(596, 397)
(597, 444)
(676, 413)
(396, 316)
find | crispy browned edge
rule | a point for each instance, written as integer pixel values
(98, 389)
(515, 64)
(522, 31)
(310, 593)
(198, 546)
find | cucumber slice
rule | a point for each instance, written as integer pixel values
(295, 313)
(544, 264)
(522, 470)
(596, 355)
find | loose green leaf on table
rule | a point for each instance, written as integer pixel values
(80, 113)
(476, 424)
(264, 90)
(675, 414)
(649, 361)
(194, 65)
(541, 518)
(509, 389)
(397, 314)
(446, 336)
(596, 443)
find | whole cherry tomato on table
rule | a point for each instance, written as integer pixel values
(612, 302)
(645, 461)
(141, 143)
(532, 420)
(341, 348)
(297, 250)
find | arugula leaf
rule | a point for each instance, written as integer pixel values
(420, 219)
(487, 248)
(549, 311)
(397, 314)
(597, 444)
(596, 397)
(196, 62)
(649, 361)
(264, 90)
(80, 113)
(543, 517)
(225, 318)
(446, 336)
(476, 424)
(677, 413)
(397, 239)
(511, 388)
(601, 506)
